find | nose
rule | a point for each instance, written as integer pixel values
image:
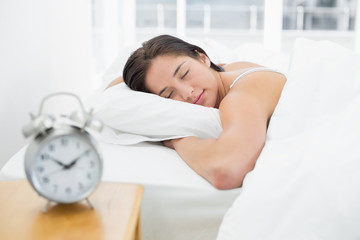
(186, 92)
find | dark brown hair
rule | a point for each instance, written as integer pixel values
(139, 62)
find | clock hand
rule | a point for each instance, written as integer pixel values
(73, 162)
(58, 162)
(53, 172)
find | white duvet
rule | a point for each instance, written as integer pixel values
(306, 182)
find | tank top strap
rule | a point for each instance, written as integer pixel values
(257, 69)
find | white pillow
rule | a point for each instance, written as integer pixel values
(133, 117)
(257, 53)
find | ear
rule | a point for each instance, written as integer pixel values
(204, 59)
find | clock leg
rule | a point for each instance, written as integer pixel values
(46, 207)
(90, 203)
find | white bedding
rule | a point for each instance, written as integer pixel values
(131, 117)
(306, 182)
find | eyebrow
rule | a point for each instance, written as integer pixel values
(175, 72)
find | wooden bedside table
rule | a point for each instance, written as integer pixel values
(116, 214)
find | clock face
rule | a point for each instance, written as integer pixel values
(64, 166)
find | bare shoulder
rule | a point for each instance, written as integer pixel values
(116, 81)
(239, 65)
(261, 90)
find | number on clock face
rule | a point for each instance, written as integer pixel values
(66, 167)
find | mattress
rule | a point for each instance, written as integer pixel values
(177, 202)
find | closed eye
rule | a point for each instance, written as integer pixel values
(183, 76)
(171, 93)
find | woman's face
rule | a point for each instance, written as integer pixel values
(184, 79)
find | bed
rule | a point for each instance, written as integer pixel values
(305, 184)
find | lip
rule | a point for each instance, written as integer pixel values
(200, 98)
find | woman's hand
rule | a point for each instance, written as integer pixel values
(170, 143)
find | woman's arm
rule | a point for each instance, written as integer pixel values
(244, 112)
(115, 82)
(225, 161)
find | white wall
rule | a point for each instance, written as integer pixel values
(45, 47)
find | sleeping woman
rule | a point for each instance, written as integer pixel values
(246, 95)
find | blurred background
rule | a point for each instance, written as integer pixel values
(67, 45)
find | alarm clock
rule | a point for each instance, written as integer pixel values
(63, 162)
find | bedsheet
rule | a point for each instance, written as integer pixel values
(177, 203)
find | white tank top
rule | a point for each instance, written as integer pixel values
(257, 69)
